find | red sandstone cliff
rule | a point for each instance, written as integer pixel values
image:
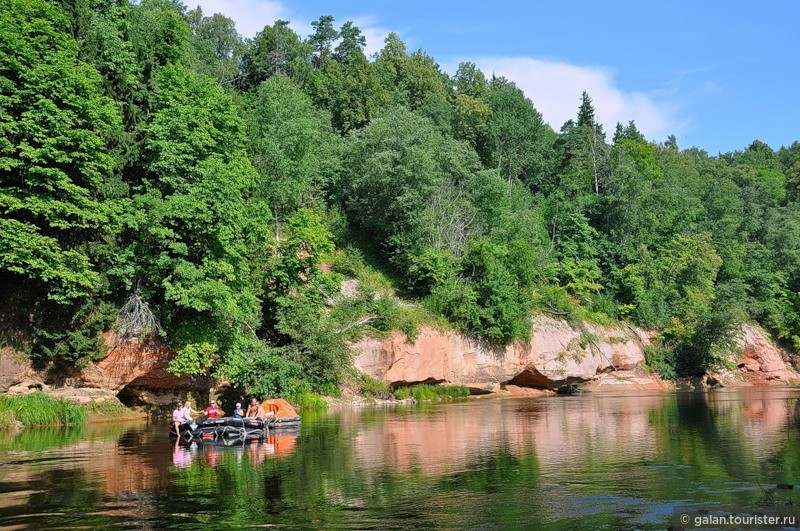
(133, 371)
(557, 355)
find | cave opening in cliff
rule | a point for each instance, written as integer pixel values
(530, 377)
(130, 398)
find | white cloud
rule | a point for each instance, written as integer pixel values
(555, 89)
(375, 39)
(250, 15)
(375, 35)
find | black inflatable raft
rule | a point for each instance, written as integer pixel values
(231, 428)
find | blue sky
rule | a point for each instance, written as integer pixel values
(717, 75)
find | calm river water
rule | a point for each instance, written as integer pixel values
(583, 462)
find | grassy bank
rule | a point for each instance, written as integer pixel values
(306, 400)
(431, 392)
(106, 410)
(366, 386)
(39, 409)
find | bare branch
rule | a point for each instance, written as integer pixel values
(553, 310)
(135, 319)
(452, 219)
(360, 322)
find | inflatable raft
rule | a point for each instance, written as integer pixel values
(228, 428)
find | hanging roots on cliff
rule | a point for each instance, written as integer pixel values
(135, 319)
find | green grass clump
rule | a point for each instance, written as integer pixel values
(107, 409)
(378, 297)
(307, 400)
(353, 262)
(371, 387)
(7, 419)
(431, 392)
(402, 393)
(660, 359)
(39, 409)
(587, 339)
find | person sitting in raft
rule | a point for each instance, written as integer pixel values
(256, 410)
(188, 411)
(178, 419)
(238, 412)
(213, 411)
(182, 415)
(252, 409)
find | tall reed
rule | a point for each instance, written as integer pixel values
(431, 392)
(39, 409)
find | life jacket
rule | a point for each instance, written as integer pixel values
(237, 413)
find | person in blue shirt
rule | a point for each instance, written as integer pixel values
(238, 412)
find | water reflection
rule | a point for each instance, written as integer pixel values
(257, 451)
(578, 430)
(580, 462)
(181, 456)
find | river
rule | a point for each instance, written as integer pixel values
(584, 462)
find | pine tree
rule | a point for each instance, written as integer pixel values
(586, 111)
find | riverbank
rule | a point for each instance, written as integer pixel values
(559, 357)
(40, 409)
(37, 409)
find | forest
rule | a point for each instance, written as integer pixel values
(159, 174)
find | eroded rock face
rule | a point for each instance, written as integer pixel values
(16, 374)
(135, 363)
(132, 371)
(763, 360)
(623, 381)
(556, 356)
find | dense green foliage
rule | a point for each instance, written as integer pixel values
(54, 164)
(228, 186)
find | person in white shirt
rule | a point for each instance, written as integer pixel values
(182, 415)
